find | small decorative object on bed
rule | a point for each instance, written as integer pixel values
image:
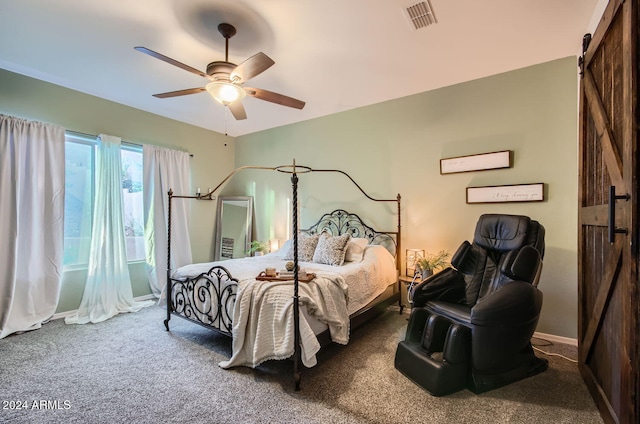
(349, 275)
(303, 276)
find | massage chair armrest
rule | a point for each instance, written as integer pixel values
(447, 285)
(514, 304)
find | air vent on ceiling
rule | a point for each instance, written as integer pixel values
(421, 15)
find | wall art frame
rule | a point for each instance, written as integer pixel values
(478, 162)
(506, 193)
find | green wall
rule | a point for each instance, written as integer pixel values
(388, 148)
(213, 159)
(395, 147)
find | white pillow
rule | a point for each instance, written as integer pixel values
(331, 250)
(355, 249)
(284, 250)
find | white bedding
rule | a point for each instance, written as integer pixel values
(263, 316)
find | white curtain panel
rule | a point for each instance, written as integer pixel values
(165, 169)
(107, 291)
(31, 222)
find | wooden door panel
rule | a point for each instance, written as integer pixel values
(607, 271)
(607, 352)
(607, 149)
(607, 268)
(606, 68)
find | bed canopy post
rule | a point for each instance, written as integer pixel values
(399, 241)
(297, 375)
(168, 287)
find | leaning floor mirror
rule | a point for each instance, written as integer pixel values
(233, 227)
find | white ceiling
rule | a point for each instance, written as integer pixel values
(334, 54)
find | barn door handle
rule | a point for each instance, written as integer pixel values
(613, 230)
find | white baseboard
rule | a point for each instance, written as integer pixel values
(556, 339)
(65, 314)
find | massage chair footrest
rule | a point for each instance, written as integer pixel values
(481, 383)
(435, 375)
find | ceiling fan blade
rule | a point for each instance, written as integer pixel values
(171, 61)
(237, 110)
(251, 67)
(272, 97)
(179, 93)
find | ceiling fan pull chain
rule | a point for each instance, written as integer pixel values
(226, 112)
(226, 49)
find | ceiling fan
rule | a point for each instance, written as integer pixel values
(227, 79)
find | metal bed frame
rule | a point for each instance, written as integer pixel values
(209, 298)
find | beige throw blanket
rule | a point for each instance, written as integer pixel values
(263, 321)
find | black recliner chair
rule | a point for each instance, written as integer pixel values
(471, 324)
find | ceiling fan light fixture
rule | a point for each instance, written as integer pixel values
(225, 92)
(227, 78)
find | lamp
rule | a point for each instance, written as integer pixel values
(225, 92)
(413, 255)
(274, 245)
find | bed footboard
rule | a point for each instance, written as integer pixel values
(207, 299)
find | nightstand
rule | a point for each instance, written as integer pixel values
(404, 281)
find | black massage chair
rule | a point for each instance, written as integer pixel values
(471, 324)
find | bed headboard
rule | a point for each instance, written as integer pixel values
(341, 222)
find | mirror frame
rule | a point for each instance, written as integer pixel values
(219, 216)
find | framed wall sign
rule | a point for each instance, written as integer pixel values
(506, 193)
(479, 162)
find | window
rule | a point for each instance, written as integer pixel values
(78, 199)
(80, 154)
(133, 201)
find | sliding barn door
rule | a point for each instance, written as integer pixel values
(608, 226)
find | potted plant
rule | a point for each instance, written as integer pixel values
(431, 262)
(258, 248)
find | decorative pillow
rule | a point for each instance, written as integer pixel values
(331, 250)
(355, 249)
(306, 247)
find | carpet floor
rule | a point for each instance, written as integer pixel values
(130, 370)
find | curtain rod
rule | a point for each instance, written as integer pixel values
(78, 133)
